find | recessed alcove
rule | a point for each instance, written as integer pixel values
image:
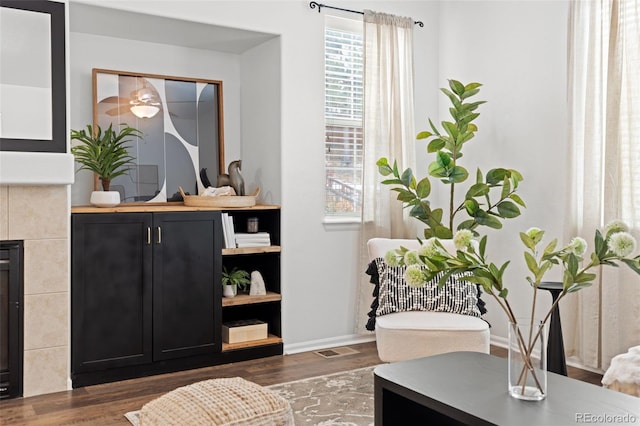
(247, 62)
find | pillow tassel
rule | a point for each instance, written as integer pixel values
(372, 270)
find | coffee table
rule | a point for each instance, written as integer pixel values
(470, 388)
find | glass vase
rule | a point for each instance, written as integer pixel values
(528, 360)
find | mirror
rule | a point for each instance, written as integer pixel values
(33, 85)
(182, 123)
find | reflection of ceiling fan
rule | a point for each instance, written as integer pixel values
(143, 103)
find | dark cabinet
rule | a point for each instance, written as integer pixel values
(186, 312)
(111, 291)
(145, 289)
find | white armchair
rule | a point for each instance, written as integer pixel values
(414, 334)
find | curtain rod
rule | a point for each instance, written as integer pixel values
(314, 4)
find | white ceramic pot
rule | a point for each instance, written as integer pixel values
(105, 198)
(229, 290)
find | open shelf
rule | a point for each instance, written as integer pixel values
(266, 261)
(245, 299)
(252, 343)
(250, 250)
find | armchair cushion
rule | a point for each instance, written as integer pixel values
(395, 295)
(392, 294)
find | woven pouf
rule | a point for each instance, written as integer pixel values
(228, 401)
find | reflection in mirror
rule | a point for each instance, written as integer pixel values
(32, 76)
(181, 120)
(25, 79)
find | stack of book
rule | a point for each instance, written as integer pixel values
(257, 239)
(233, 239)
(228, 231)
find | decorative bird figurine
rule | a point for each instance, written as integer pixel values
(233, 178)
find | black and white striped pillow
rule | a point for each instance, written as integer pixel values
(395, 295)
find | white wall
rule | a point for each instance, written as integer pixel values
(260, 92)
(517, 49)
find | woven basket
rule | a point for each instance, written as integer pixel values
(221, 200)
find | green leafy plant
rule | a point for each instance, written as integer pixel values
(432, 261)
(480, 202)
(104, 153)
(237, 277)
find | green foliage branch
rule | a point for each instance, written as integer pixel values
(480, 202)
(432, 261)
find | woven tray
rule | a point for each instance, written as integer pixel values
(221, 200)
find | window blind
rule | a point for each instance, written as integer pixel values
(343, 121)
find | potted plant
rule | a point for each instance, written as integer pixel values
(234, 280)
(105, 154)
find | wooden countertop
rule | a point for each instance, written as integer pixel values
(161, 207)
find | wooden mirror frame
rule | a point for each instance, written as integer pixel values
(116, 82)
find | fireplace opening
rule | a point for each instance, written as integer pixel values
(11, 318)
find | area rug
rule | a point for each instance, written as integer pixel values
(340, 399)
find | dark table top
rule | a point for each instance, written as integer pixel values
(475, 384)
(550, 285)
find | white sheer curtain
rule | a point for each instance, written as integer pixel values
(604, 97)
(388, 132)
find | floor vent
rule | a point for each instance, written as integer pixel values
(336, 352)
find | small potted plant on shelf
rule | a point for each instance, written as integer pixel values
(105, 154)
(234, 280)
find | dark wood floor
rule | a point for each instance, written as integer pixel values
(106, 404)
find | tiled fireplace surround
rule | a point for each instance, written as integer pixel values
(39, 215)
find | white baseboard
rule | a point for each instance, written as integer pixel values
(571, 361)
(314, 345)
(501, 342)
(354, 339)
(504, 343)
(574, 362)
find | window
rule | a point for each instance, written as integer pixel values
(343, 117)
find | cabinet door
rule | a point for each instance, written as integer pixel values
(186, 288)
(110, 291)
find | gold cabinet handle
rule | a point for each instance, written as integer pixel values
(159, 236)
